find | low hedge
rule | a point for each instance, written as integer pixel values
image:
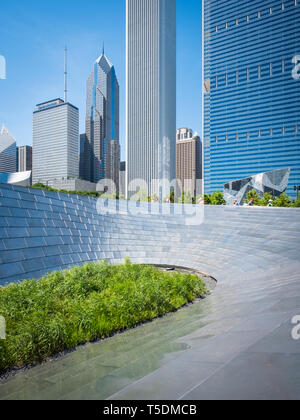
(83, 304)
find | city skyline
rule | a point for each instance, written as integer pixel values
(43, 65)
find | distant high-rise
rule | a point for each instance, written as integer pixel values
(24, 158)
(151, 91)
(189, 161)
(102, 120)
(122, 182)
(8, 151)
(55, 141)
(113, 155)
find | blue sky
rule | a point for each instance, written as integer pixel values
(32, 39)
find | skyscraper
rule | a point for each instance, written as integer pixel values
(151, 91)
(8, 151)
(251, 88)
(189, 161)
(24, 158)
(55, 141)
(102, 120)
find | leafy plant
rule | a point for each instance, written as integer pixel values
(297, 201)
(256, 198)
(282, 201)
(217, 199)
(85, 303)
(265, 200)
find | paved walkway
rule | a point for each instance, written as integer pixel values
(236, 344)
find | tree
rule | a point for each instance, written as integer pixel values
(265, 200)
(297, 201)
(282, 201)
(217, 199)
(207, 199)
(253, 194)
(185, 198)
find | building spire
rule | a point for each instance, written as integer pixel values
(66, 75)
(103, 49)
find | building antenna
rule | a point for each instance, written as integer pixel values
(66, 74)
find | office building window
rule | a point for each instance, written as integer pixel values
(271, 131)
(271, 10)
(283, 65)
(259, 14)
(283, 130)
(282, 6)
(226, 25)
(259, 71)
(248, 18)
(296, 2)
(271, 69)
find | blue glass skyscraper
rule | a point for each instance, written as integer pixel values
(251, 89)
(102, 120)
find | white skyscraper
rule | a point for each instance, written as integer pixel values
(55, 141)
(8, 151)
(151, 91)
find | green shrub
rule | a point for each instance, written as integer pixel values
(282, 201)
(265, 200)
(297, 201)
(217, 199)
(83, 304)
(253, 194)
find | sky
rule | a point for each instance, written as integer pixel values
(33, 35)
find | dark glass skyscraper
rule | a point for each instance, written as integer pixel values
(251, 89)
(102, 120)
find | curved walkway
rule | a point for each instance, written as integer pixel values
(235, 344)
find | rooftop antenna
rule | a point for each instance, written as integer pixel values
(66, 74)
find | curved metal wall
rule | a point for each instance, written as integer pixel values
(42, 231)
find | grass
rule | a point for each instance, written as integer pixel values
(83, 304)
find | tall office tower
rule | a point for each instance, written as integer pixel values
(122, 182)
(24, 158)
(113, 155)
(8, 152)
(84, 158)
(151, 91)
(102, 118)
(189, 161)
(251, 88)
(55, 141)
